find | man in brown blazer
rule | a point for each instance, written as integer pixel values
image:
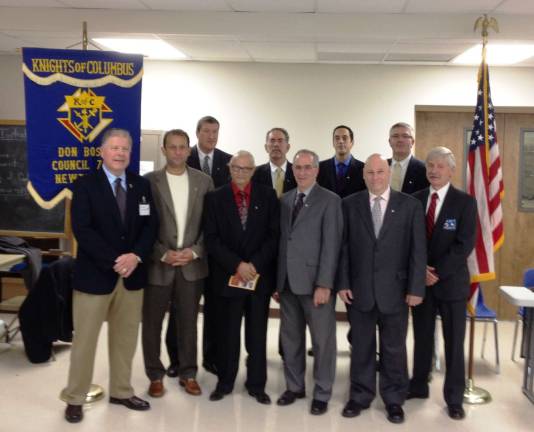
(178, 263)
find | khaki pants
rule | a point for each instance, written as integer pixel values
(122, 310)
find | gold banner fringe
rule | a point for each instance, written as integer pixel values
(76, 82)
(65, 193)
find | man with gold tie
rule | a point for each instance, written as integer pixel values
(408, 174)
(277, 172)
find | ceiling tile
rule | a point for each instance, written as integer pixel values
(31, 3)
(360, 6)
(451, 6)
(104, 4)
(291, 52)
(349, 57)
(272, 5)
(208, 49)
(421, 57)
(516, 7)
(188, 5)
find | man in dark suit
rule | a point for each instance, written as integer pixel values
(408, 174)
(213, 162)
(276, 173)
(451, 218)
(311, 230)
(343, 173)
(241, 229)
(381, 274)
(115, 223)
(178, 263)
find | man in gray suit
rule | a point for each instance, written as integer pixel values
(311, 225)
(178, 263)
(381, 273)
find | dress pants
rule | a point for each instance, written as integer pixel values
(453, 325)
(170, 339)
(210, 330)
(184, 297)
(122, 310)
(255, 308)
(393, 374)
(295, 312)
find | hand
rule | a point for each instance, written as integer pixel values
(170, 257)
(183, 257)
(276, 296)
(321, 296)
(125, 264)
(413, 300)
(246, 271)
(431, 276)
(346, 296)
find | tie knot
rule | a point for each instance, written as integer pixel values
(301, 196)
(377, 199)
(435, 196)
(118, 181)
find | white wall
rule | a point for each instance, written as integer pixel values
(308, 100)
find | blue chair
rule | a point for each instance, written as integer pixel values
(486, 315)
(11, 305)
(528, 282)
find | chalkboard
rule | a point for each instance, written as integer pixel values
(19, 213)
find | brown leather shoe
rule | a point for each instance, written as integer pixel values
(74, 413)
(191, 386)
(156, 389)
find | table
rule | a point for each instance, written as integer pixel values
(9, 260)
(521, 296)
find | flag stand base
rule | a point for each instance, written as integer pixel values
(475, 395)
(94, 394)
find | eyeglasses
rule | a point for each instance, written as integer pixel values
(240, 169)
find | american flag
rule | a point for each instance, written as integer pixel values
(484, 182)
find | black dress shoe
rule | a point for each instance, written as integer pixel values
(288, 397)
(417, 395)
(172, 371)
(456, 412)
(133, 403)
(352, 409)
(395, 413)
(318, 407)
(210, 367)
(74, 413)
(261, 397)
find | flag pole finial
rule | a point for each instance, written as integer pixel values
(484, 23)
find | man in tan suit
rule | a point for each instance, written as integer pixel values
(178, 264)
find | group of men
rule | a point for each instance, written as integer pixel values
(214, 224)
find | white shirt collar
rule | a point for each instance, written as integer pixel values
(441, 193)
(384, 196)
(203, 155)
(274, 167)
(403, 163)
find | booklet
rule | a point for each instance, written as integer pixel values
(236, 282)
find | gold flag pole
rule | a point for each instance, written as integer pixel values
(476, 395)
(96, 391)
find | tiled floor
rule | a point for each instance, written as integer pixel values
(29, 398)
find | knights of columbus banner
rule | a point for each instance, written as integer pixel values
(72, 97)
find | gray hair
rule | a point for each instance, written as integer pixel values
(277, 129)
(444, 153)
(116, 132)
(309, 153)
(403, 125)
(243, 153)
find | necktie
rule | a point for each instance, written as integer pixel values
(396, 176)
(297, 207)
(120, 196)
(376, 214)
(340, 178)
(279, 182)
(243, 209)
(431, 215)
(206, 165)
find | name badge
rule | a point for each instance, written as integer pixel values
(450, 225)
(144, 209)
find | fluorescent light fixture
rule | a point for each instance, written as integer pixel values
(496, 54)
(152, 48)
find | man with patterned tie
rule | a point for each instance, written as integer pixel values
(408, 174)
(311, 231)
(343, 173)
(241, 228)
(115, 223)
(277, 172)
(451, 231)
(381, 274)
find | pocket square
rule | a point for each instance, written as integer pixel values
(450, 225)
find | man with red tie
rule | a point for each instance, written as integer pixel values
(451, 233)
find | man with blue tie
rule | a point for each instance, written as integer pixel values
(115, 223)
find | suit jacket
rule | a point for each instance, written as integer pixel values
(228, 244)
(415, 177)
(263, 176)
(160, 273)
(309, 248)
(219, 170)
(102, 236)
(353, 181)
(380, 272)
(452, 240)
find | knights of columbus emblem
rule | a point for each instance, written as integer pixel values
(85, 119)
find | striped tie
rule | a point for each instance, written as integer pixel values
(431, 215)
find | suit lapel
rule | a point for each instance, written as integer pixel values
(365, 213)
(131, 200)
(109, 197)
(165, 191)
(447, 202)
(230, 206)
(390, 213)
(309, 203)
(193, 195)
